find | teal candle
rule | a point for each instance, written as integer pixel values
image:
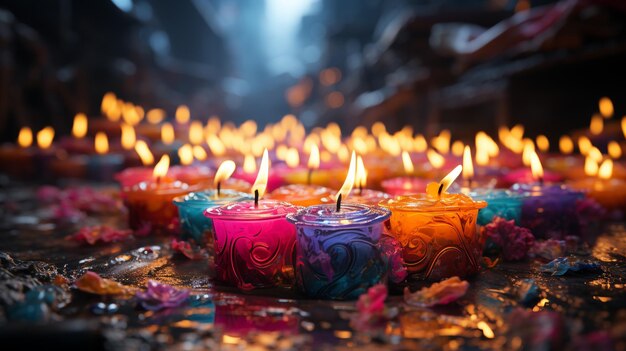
(193, 223)
(501, 203)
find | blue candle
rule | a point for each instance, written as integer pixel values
(501, 203)
(337, 251)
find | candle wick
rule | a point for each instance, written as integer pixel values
(219, 188)
(361, 189)
(339, 203)
(158, 180)
(440, 190)
(541, 181)
(256, 198)
(309, 176)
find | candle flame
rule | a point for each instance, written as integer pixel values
(529, 148)
(468, 166)
(196, 133)
(606, 107)
(101, 143)
(436, 160)
(182, 114)
(343, 153)
(109, 100)
(45, 137)
(144, 153)
(584, 145)
(595, 153)
(624, 126)
(128, 137)
(591, 167)
(596, 125)
(260, 184)
(314, 157)
(155, 116)
(167, 134)
(419, 143)
(161, 168)
(543, 144)
(249, 164)
(215, 145)
(408, 163)
(437, 189)
(361, 173)
(199, 153)
(442, 142)
(25, 137)
(566, 145)
(606, 170)
(79, 127)
(614, 150)
(458, 148)
(185, 154)
(292, 158)
(350, 178)
(225, 170)
(535, 166)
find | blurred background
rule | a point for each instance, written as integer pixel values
(464, 65)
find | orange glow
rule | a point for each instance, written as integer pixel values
(101, 143)
(249, 164)
(225, 170)
(45, 137)
(216, 146)
(457, 148)
(196, 133)
(566, 145)
(624, 126)
(343, 153)
(378, 128)
(595, 153)
(128, 137)
(517, 131)
(596, 125)
(260, 184)
(330, 76)
(248, 128)
(25, 137)
(606, 170)
(199, 153)
(182, 114)
(529, 147)
(79, 128)
(314, 157)
(144, 153)
(543, 144)
(468, 166)
(108, 101)
(591, 167)
(535, 166)
(442, 142)
(335, 99)
(407, 163)
(614, 150)
(160, 169)
(155, 116)
(606, 107)
(167, 134)
(436, 160)
(292, 158)
(130, 114)
(185, 154)
(350, 178)
(330, 141)
(361, 173)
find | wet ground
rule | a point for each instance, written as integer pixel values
(575, 311)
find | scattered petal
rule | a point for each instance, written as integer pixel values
(370, 308)
(548, 250)
(161, 296)
(100, 233)
(441, 293)
(562, 265)
(513, 241)
(184, 247)
(93, 283)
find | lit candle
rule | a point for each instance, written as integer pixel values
(525, 175)
(253, 240)
(606, 190)
(437, 231)
(337, 246)
(548, 210)
(103, 165)
(17, 160)
(408, 184)
(150, 203)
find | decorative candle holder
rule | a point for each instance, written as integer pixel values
(254, 245)
(150, 205)
(438, 236)
(337, 252)
(193, 223)
(500, 203)
(549, 211)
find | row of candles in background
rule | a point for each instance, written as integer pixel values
(340, 247)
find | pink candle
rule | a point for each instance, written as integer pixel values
(404, 185)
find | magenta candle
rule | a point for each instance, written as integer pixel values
(254, 245)
(404, 185)
(525, 176)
